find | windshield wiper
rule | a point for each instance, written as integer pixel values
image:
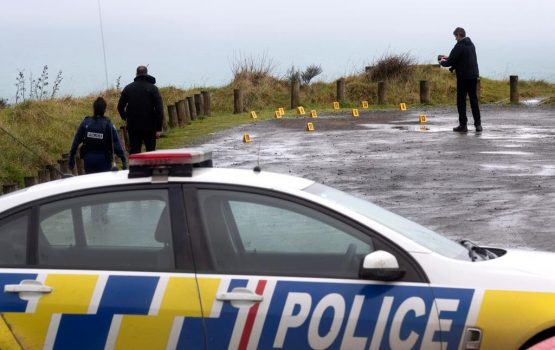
(475, 251)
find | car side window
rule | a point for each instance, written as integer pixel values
(13, 239)
(253, 233)
(113, 230)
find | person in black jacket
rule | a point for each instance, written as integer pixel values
(463, 60)
(140, 104)
(100, 141)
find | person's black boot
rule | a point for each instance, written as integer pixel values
(460, 128)
(478, 128)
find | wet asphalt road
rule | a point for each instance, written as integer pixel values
(495, 188)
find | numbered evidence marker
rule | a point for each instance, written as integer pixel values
(313, 114)
(309, 127)
(281, 111)
(336, 105)
(364, 104)
(253, 115)
(355, 112)
(246, 138)
(402, 106)
(277, 115)
(422, 119)
(300, 110)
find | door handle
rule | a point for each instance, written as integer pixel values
(240, 294)
(27, 286)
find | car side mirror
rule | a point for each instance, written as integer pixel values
(380, 265)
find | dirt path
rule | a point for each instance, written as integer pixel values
(497, 187)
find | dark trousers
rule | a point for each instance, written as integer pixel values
(97, 162)
(464, 87)
(137, 138)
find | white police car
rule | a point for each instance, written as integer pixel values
(176, 254)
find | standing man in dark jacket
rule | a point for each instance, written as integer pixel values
(140, 104)
(463, 60)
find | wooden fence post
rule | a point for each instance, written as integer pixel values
(10, 187)
(181, 118)
(29, 181)
(121, 136)
(199, 105)
(80, 167)
(207, 103)
(125, 136)
(165, 126)
(341, 90)
(64, 166)
(424, 91)
(43, 175)
(381, 93)
(54, 171)
(192, 108)
(514, 88)
(295, 93)
(172, 114)
(187, 111)
(237, 101)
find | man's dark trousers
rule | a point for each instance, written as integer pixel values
(464, 87)
(136, 139)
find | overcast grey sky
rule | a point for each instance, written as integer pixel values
(192, 43)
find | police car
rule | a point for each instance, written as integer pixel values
(177, 254)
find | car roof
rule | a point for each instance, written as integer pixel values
(243, 177)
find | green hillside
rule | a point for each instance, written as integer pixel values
(48, 126)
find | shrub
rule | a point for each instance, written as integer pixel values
(310, 72)
(390, 67)
(253, 70)
(293, 74)
(37, 88)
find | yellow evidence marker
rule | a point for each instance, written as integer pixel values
(309, 127)
(355, 112)
(422, 119)
(336, 105)
(313, 114)
(253, 115)
(277, 115)
(364, 104)
(402, 106)
(246, 138)
(300, 110)
(281, 111)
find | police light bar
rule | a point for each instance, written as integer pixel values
(177, 162)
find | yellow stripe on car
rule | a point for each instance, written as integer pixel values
(530, 311)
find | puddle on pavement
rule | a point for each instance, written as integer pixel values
(503, 167)
(533, 101)
(547, 170)
(511, 153)
(418, 127)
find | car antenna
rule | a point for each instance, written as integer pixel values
(30, 150)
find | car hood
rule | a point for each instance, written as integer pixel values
(526, 261)
(524, 270)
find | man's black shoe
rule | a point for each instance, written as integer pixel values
(478, 128)
(460, 128)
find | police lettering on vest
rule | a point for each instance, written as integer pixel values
(96, 136)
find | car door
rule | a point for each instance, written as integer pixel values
(288, 277)
(109, 268)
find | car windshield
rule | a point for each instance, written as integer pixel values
(409, 229)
